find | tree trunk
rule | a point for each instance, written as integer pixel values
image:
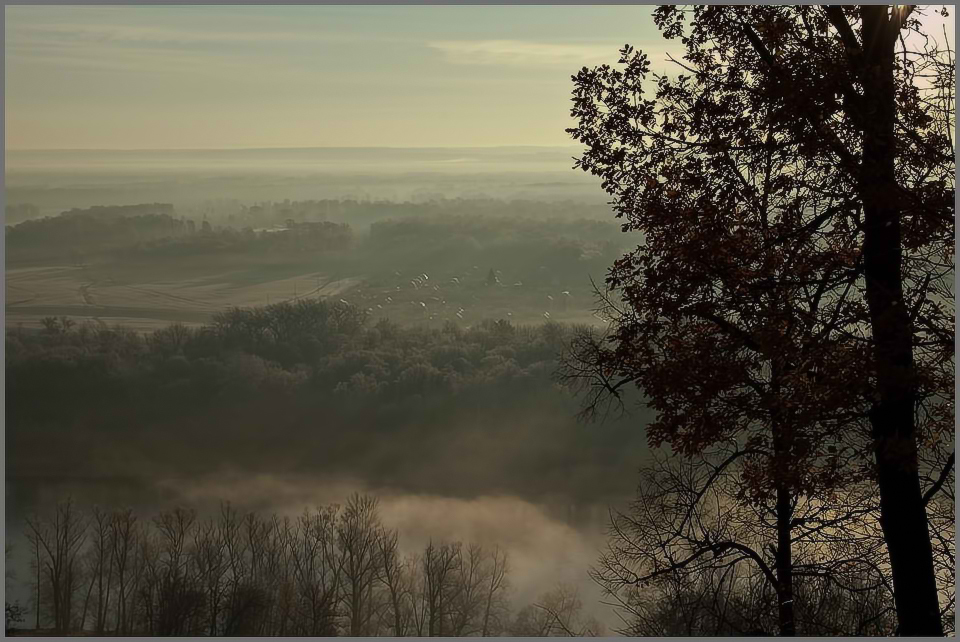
(485, 631)
(902, 514)
(783, 555)
(398, 628)
(784, 562)
(86, 603)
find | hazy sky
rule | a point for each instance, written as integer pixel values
(301, 76)
(121, 77)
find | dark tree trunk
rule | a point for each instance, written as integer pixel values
(783, 555)
(784, 562)
(902, 514)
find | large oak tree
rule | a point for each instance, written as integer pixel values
(794, 187)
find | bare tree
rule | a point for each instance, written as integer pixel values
(99, 570)
(557, 613)
(179, 601)
(395, 576)
(124, 532)
(692, 537)
(317, 571)
(439, 564)
(210, 564)
(37, 577)
(467, 603)
(59, 539)
(358, 531)
(495, 587)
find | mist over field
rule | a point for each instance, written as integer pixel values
(434, 247)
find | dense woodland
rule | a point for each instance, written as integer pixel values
(307, 343)
(342, 385)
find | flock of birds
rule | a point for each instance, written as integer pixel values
(432, 301)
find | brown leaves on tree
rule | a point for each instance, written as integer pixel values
(743, 313)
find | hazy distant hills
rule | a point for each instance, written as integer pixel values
(58, 180)
(362, 159)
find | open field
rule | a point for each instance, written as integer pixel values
(139, 300)
(149, 296)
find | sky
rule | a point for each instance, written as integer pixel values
(188, 77)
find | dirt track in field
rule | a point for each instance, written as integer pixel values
(147, 302)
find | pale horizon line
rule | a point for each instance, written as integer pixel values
(238, 149)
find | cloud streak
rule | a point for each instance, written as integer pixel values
(522, 53)
(160, 35)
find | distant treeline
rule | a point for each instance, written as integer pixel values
(334, 570)
(154, 230)
(364, 213)
(95, 230)
(557, 254)
(297, 238)
(141, 231)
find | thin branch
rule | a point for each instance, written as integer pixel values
(927, 496)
